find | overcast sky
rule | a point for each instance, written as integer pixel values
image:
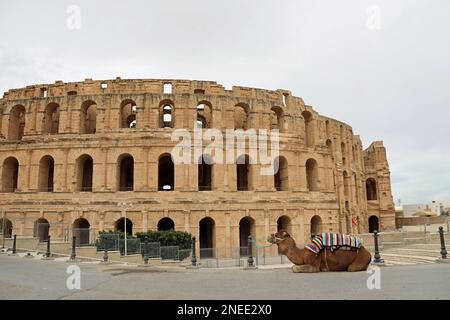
(385, 70)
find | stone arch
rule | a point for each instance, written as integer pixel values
(125, 172)
(316, 225)
(166, 173)
(281, 177)
(309, 129)
(241, 111)
(16, 127)
(50, 123)
(207, 237)
(6, 227)
(374, 224)
(80, 230)
(41, 229)
(85, 172)
(243, 173)
(166, 114)
(121, 226)
(88, 117)
(371, 189)
(205, 171)
(46, 174)
(166, 224)
(246, 228)
(10, 174)
(127, 114)
(312, 175)
(204, 114)
(284, 223)
(276, 118)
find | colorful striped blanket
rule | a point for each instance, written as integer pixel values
(333, 241)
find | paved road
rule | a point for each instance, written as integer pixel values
(22, 278)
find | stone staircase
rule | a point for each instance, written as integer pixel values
(411, 254)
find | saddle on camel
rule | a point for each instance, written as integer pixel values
(326, 252)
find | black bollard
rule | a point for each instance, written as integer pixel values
(146, 250)
(73, 254)
(48, 254)
(105, 254)
(443, 249)
(250, 252)
(14, 245)
(377, 257)
(193, 258)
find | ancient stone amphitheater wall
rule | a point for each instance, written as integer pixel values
(85, 155)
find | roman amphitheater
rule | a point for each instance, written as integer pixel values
(85, 156)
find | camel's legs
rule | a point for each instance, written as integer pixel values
(361, 262)
(304, 268)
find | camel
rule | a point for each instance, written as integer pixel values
(306, 261)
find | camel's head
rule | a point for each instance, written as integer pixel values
(281, 238)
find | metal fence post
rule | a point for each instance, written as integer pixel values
(193, 258)
(48, 254)
(377, 252)
(73, 254)
(14, 250)
(443, 249)
(250, 253)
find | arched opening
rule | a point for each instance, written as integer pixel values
(123, 227)
(51, 119)
(88, 123)
(316, 225)
(371, 189)
(166, 110)
(343, 149)
(309, 129)
(85, 166)
(16, 123)
(166, 178)
(204, 115)
(80, 230)
(205, 173)
(327, 128)
(281, 177)
(166, 224)
(207, 238)
(312, 175)
(10, 174)
(6, 228)
(41, 229)
(241, 116)
(46, 174)
(246, 228)
(128, 111)
(126, 173)
(243, 172)
(167, 88)
(276, 119)
(373, 224)
(329, 145)
(284, 223)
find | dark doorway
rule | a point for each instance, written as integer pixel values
(207, 238)
(373, 224)
(166, 224)
(120, 226)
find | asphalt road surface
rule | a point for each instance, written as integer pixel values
(22, 278)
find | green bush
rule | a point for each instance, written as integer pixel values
(167, 238)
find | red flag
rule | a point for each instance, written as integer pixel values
(354, 221)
